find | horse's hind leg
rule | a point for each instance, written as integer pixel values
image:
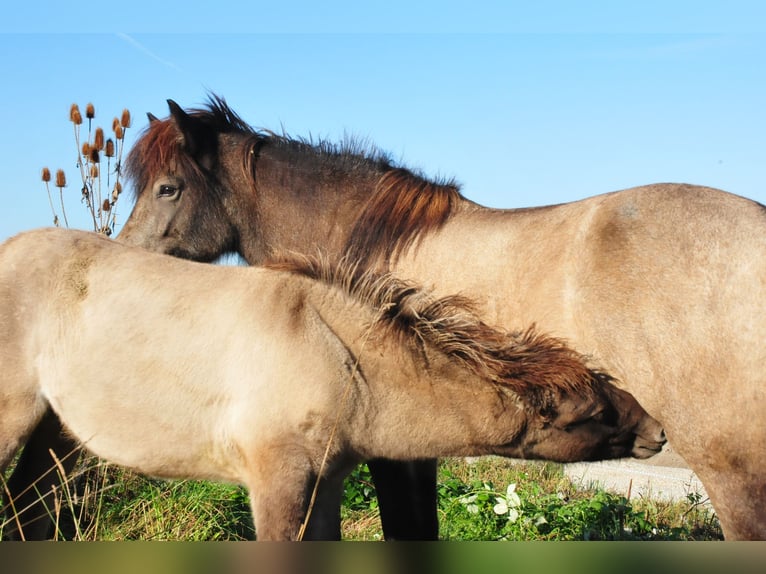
(407, 498)
(324, 513)
(31, 486)
(739, 500)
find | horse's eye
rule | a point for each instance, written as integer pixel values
(599, 417)
(167, 190)
(596, 418)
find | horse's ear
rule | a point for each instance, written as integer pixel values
(200, 140)
(152, 117)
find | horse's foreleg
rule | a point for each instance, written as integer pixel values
(280, 483)
(407, 498)
(31, 486)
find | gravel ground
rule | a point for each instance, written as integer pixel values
(663, 476)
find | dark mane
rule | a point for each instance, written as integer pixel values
(524, 361)
(349, 155)
(402, 207)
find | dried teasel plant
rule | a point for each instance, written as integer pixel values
(101, 186)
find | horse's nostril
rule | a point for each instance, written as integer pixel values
(663, 438)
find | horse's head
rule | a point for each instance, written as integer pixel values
(608, 423)
(182, 206)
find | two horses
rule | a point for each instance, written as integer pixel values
(280, 378)
(663, 285)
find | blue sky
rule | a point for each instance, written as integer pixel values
(522, 103)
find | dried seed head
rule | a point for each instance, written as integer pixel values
(94, 171)
(117, 187)
(90, 111)
(60, 178)
(86, 149)
(105, 207)
(109, 148)
(118, 132)
(95, 157)
(98, 139)
(74, 115)
(125, 119)
(46, 175)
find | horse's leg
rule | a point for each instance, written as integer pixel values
(279, 481)
(36, 473)
(739, 501)
(18, 419)
(407, 498)
(324, 519)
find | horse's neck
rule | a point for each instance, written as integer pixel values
(303, 210)
(406, 384)
(465, 416)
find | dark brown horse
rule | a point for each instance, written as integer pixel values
(663, 285)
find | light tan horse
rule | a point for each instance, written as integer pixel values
(273, 377)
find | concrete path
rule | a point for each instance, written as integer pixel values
(664, 476)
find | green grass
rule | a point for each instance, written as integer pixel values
(475, 503)
(545, 505)
(137, 508)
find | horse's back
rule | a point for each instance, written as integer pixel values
(680, 267)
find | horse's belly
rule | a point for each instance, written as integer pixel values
(156, 428)
(157, 443)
